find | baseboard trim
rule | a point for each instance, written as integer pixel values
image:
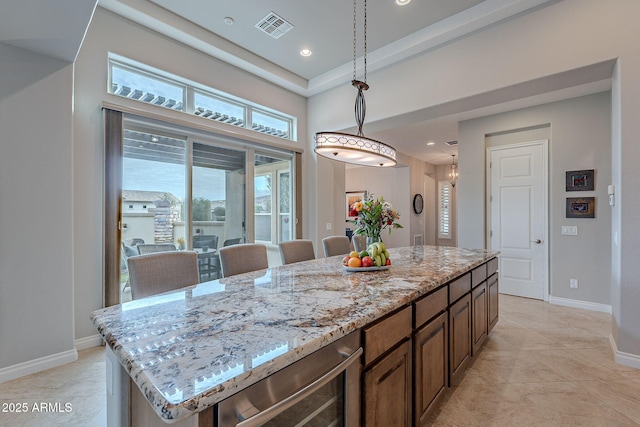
(89, 342)
(585, 305)
(622, 358)
(32, 366)
(47, 362)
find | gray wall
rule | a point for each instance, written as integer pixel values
(36, 281)
(579, 133)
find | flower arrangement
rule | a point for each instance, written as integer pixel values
(374, 215)
(181, 243)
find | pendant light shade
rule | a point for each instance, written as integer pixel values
(356, 149)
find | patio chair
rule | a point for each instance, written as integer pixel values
(296, 251)
(159, 272)
(242, 258)
(336, 245)
(148, 248)
(230, 242)
(205, 241)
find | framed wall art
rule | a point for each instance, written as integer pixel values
(583, 180)
(352, 197)
(581, 207)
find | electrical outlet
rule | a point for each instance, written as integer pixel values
(328, 226)
(573, 283)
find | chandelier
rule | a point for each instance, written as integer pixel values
(356, 149)
(453, 171)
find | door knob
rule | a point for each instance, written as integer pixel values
(537, 241)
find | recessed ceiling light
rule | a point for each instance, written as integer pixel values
(305, 52)
(402, 2)
(431, 143)
(229, 20)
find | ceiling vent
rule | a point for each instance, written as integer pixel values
(452, 143)
(273, 25)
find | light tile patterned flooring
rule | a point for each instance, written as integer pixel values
(543, 365)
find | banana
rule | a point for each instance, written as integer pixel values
(378, 261)
(383, 258)
(373, 250)
(386, 253)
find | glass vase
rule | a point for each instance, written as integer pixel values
(373, 238)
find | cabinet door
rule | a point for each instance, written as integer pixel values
(492, 291)
(387, 390)
(431, 346)
(479, 325)
(459, 338)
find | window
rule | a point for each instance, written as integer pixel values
(196, 182)
(134, 80)
(444, 210)
(136, 84)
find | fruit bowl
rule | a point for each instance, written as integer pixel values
(363, 269)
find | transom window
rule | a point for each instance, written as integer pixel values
(133, 80)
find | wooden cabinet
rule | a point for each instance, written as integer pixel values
(387, 378)
(479, 325)
(413, 355)
(430, 356)
(459, 338)
(492, 301)
(387, 390)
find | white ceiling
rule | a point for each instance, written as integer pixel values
(394, 33)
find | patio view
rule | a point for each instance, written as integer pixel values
(168, 206)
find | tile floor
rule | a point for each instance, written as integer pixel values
(543, 365)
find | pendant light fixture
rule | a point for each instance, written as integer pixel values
(453, 171)
(356, 149)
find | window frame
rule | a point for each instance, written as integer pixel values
(191, 89)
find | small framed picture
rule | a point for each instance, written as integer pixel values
(580, 180)
(581, 207)
(351, 198)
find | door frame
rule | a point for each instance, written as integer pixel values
(545, 196)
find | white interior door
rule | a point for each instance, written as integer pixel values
(518, 229)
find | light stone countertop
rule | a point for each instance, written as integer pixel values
(189, 349)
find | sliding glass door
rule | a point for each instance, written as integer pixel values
(181, 189)
(273, 199)
(153, 195)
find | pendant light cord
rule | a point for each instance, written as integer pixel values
(355, 51)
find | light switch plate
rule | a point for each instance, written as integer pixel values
(569, 230)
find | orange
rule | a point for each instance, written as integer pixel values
(354, 254)
(355, 262)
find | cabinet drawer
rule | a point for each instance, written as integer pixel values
(431, 305)
(385, 334)
(492, 266)
(459, 287)
(478, 275)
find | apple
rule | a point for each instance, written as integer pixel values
(367, 261)
(345, 260)
(388, 262)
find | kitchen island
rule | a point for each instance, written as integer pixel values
(189, 349)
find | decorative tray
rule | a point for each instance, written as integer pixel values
(362, 269)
